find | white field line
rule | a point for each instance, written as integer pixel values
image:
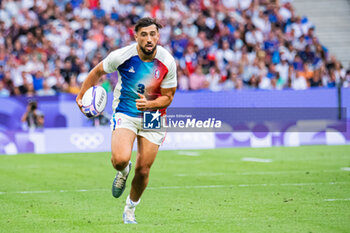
(258, 160)
(285, 172)
(344, 199)
(179, 187)
(188, 153)
(256, 173)
(345, 168)
(202, 174)
(245, 185)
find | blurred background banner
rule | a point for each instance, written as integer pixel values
(62, 111)
(70, 140)
(76, 133)
(253, 119)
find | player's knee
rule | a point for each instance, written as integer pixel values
(143, 172)
(119, 162)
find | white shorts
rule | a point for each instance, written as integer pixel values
(121, 120)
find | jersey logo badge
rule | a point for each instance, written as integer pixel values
(156, 74)
(131, 70)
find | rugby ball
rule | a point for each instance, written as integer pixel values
(94, 101)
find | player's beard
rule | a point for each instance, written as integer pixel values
(148, 53)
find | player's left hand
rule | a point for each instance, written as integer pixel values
(142, 103)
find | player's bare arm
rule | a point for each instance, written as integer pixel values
(163, 101)
(91, 80)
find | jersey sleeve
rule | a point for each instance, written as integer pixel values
(111, 62)
(117, 57)
(170, 79)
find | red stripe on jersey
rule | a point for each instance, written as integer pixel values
(153, 88)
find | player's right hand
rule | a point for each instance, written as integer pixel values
(79, 103)
(142, 103)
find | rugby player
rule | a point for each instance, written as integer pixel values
(146, 81)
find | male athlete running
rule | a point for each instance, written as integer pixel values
(147, 81)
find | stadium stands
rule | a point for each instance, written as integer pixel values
(332, 22)
(48, 46)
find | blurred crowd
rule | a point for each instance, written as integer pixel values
(48, 46)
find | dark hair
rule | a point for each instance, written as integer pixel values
(145, 22)
(33, 105)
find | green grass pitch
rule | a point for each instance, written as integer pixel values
(295, 189)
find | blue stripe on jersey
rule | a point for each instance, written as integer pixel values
(114, 121)
(135, 75)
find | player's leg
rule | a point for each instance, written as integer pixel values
(146, 155)
(122, 143)
(123, 137)
(147, 152)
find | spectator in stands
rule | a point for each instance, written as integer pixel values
(307, 72)
(254, 81)
(38, 80)
(23, 85)
(3, 91)
(198, 80)
(83, 74)
(73, 86)
(214, 79)
(224, 56)
(299, 82)
(316, 81)
(182, 80)
(347, 79)
(67, 71)
(56, 80)
(332, 79)
(30, 91)
(233, 82)
(282, 68)
(9, 84)
(307, 55)
(339, 73)
(46, 90)
(239, 84)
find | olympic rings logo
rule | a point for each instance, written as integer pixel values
(86, 140)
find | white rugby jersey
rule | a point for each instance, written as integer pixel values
(136, 76)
